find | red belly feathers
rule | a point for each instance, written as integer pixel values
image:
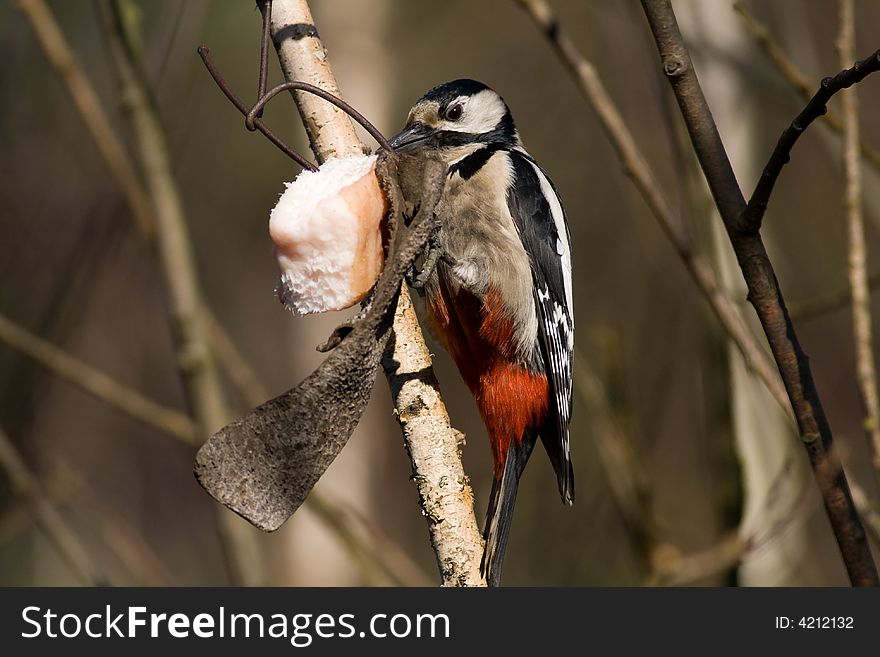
(479, 337)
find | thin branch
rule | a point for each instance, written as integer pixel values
(681, 570)
(91, 111)
(750, 219)
(195, 361)
(866, 373)
(376, 554)
(626, 478)
(117, 160)
(797, 78)
(432, 443)
(320, 93)
(129, 401)
(257, 123)
(266, 11)
(829, 303)
(25, 483)
(764, 291)
(637, 169)
(235, 366)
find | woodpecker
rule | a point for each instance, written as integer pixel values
(497, 287)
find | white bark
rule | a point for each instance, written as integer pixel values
(445, 494)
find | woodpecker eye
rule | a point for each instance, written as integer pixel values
(454, 112)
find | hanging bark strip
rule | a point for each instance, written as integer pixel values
(765, 294)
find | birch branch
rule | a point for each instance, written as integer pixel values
(743, 228)
(444, 492)
(866, 373)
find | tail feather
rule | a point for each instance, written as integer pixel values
(500, 510)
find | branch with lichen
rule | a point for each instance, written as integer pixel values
(444, 492)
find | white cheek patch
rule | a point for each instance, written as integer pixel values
(482, 112)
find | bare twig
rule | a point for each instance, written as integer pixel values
(750, 219)
(796, 78)
(115, 157)
(829, 303)
(98, 384)
(764, 292)
(91, 110)
(195, 360)
(626, 477)
(636, 167)
(681, 570)
(866, 373)
(205, 54)
(235, 366)
(26, 484)
(432, 443)
(380, 559)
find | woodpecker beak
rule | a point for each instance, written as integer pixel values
(411, 138)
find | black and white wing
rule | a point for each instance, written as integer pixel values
(540, 221)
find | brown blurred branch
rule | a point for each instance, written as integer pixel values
(98, 384)
(91, 111)
(637, 169)
(195, 360)
(801, 83)
(381, 560)
(866, 373)
(25, 483)
(432, 443)
(822, 305)
(626, 477)
(764, 291)
(122, 169)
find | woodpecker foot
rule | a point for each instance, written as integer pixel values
(418, 274)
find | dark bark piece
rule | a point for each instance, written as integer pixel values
(263, 465)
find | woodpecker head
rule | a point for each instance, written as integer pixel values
(455, 118)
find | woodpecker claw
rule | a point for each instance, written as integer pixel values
(417, 275)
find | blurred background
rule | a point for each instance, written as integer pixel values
(686, 471)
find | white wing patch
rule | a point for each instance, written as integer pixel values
(562, 241)
(559, 329)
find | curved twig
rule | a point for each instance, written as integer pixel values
(250, 120)
(205, 54)
(750, 219)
